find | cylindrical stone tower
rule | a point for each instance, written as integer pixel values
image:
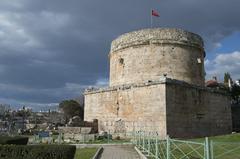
(148, 54)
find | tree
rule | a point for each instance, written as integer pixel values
(70, 109)
(227, 77)
(4, 111)
(24, 112)
(235, 93)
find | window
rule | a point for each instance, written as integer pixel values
(121, 61)
(199, 60)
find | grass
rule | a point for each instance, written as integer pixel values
(228, 144)
(85, 153)
(224, 147)
(223, 138)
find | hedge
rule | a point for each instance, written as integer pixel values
(37, 152)
(16, 140)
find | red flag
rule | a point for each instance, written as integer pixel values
(155, 13)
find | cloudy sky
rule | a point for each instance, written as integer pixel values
(51, 50)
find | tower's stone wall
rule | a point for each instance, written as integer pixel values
(157, 84)
(197, 112)
(167, 106)
(128, 108)
(148, 54)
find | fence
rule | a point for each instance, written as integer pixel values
(153, 147)
(225, 150)
(53, 139)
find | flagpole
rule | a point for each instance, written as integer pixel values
(151, 18)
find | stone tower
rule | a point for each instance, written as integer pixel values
(157, 84)
(148, 54)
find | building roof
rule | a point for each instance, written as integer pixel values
(211, 83)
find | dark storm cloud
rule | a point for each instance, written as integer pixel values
(51, 50)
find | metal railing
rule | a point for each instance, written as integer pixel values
(224, 150)
(155, 148)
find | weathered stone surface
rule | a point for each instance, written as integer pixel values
(235, 117)
(146, 55)
(69, 129)
(85, 130)
(120, 111)
(157, 36)
(75, 130)
(171, 107)
(195, 112)
(79, 137)
(157, 84)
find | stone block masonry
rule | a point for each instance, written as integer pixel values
(144, 55)
(157, 84)
(166, 106)
(127, 109)
(196, 112)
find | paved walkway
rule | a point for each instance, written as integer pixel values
(119, 152)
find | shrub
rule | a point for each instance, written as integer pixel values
(37, 152)
(16, 140)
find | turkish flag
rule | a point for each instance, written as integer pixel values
(155, 13)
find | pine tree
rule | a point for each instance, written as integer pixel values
(227, 76)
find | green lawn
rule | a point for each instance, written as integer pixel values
(225, 146)
(223, 138)
(85, 153)
(221, 147)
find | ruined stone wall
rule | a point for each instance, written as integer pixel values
(196, 112)
(145, 55)
(128, 109)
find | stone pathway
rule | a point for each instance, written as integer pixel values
(119, 152)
